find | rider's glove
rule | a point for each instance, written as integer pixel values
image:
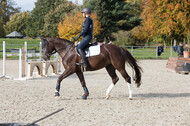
(76, 38)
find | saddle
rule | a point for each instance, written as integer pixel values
(92, 49)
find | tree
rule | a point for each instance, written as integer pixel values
(6, 11)
(126, 37)
(36, 21)
(2, 31)
(115, 15)
(17, 22)
(72, 25)
(55, 16)
(165, 19)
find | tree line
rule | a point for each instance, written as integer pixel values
(127, 22)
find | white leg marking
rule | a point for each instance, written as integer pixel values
(130, 90)
(109, 89)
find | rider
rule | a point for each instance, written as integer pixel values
(87, 33)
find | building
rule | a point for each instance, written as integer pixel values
(14, 34)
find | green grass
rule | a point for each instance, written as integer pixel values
(19, 43)
(150, 53)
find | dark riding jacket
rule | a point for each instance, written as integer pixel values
(87, 33)
(87, 27)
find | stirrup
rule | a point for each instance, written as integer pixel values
(79, 64)
(83, 66)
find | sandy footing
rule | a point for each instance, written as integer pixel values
(162, 100)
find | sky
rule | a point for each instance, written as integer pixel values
(28, 5)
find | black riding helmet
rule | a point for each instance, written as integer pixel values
(87, 10)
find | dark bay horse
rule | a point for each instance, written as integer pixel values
(111, 57)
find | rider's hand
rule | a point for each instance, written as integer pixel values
(76, 38)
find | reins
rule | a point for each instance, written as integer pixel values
(55, 51)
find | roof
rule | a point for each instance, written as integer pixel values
(14, 34)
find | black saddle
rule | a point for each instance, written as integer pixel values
(91, 44)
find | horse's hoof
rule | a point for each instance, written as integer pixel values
(56, 97)
(57, 94)
(107, 97)
(84, 97)
(130, 99)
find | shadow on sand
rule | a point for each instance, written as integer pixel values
(163, 95)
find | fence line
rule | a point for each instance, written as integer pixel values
(135, 50)
(22, 62)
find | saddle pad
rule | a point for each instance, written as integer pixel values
(93, 50)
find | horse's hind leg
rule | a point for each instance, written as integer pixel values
(111, 71)
(83, 83)
(128, 80)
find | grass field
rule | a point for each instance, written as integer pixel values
(139, 53)
(150, 53)
(18, 43)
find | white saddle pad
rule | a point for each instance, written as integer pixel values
(92, 50)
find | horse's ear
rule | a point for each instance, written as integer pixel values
(44, 41)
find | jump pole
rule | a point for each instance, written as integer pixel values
(4, 60)
(40, 51)
(20, 66)
(20, 63)
(25, 62)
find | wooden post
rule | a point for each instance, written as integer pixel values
(23, 53)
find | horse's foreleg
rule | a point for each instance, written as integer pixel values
(83, 83)
(65, 74)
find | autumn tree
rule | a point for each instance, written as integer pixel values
(72, 25)
(164, 18)
(52, 19)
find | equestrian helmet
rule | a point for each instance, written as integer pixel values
(87, 10)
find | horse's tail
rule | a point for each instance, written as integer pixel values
(133, 63)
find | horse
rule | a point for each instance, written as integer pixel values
(111, 57)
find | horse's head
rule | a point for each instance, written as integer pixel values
(46, 49)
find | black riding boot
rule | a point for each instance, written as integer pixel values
(82, 55)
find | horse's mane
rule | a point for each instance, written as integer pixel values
(59, 40)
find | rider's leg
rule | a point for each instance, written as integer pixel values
(84, 42)
(82, 54)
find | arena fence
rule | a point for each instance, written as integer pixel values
(25, 61)
(151, 52)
